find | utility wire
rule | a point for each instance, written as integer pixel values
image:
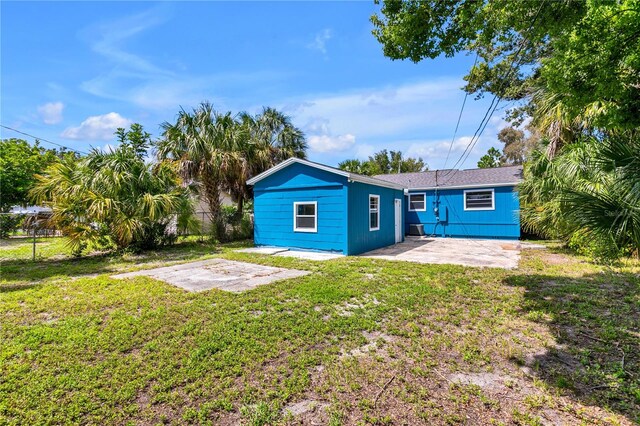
(455, 132)
(43, 140)
(492, 107)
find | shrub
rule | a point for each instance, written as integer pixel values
(9, 224)
(237, 227)
(599, 250)
(116, 197)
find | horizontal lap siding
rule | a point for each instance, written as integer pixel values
(503, 222)
(361, 239)
(273, 209)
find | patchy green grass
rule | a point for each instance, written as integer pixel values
(357, 341)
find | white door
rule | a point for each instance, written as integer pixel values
(398, 219)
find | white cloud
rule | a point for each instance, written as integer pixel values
(464, 151)
(320, 41)
(97, 127)
(131, 77)
(327, 143)
(417, 118)
(51, 112)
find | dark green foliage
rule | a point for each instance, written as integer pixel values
(588, 194)
(19, 163)
(384, 162)
(237, 226)
(9, 223)
(493, 158)
(586, 52)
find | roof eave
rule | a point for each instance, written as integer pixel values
(290, 161)
(376, 182)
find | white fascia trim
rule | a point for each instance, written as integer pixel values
(374, 181)
(478, 185)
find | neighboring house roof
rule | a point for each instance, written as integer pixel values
(29, 209)
(351, 176)
(497, 176)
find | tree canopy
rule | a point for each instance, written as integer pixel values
(491, 159)
(586, 52)
(217, 151)
(20, 162)
(384, 162)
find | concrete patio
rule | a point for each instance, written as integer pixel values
(285, 252)
(221, 274)
(457, 251)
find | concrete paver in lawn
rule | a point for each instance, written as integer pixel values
(222, 274)
(456, 251)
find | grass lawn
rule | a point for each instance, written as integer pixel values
(358, 341)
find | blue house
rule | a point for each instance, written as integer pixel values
(304, 205)
(475, 203)
(300, 204)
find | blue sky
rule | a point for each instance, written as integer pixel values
(72, 72)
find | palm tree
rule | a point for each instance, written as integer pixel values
(207, 147)
(265, 140)
(115, 196)
(557, 123)
(590, 188)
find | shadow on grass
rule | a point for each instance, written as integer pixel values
(595, 318)
(27, 271)
(10, 288)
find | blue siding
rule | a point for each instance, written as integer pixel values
(503, 222)
(361, 239)
(273, 206)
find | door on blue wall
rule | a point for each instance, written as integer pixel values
(398, 219)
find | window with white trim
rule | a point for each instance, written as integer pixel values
(374, 212)
(479, 199)
(305, 216)
(417, 202)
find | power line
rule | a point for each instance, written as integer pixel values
(43, 140)
(492, 107)
(455, 132)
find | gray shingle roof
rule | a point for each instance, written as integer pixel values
(446, 178)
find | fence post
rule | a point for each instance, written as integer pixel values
(34, 238)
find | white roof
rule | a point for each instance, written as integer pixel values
(30, 209)
(350, 176)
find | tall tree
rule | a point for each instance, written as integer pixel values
(586, 52)
(267, 139)
(493, 158)
(20, 162)
(206, 145)
(385, 162)
(217, 152)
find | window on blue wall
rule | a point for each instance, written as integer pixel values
(374, 212)
(417, 202)
(305, 216)
(479, 200)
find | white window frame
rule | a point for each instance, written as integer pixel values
(424, 194)
(377, 197)
(493, 200)
(295, 216)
